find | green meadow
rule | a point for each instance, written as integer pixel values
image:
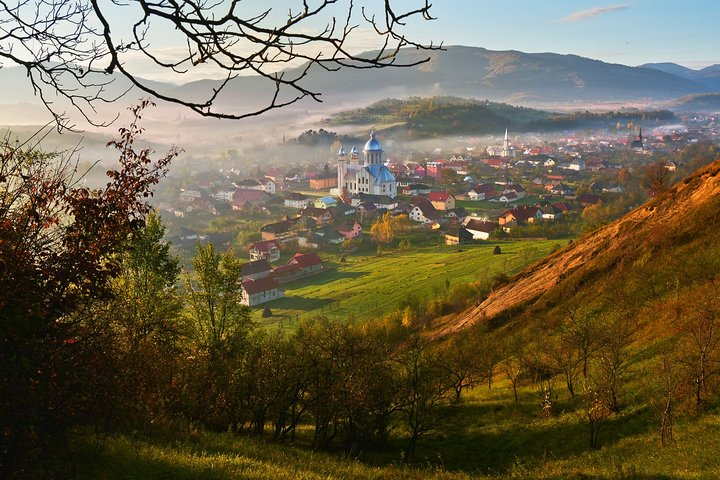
(367, 286)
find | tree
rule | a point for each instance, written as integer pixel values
(59, 249)
(144, 316)
(382, 230)
(69, 49)
(214, 295)
(699, 350)
(423, 388)
(656, 178)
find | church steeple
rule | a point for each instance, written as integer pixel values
(506, 145)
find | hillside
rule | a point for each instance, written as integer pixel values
(429, 117)
(706, 102)
(680, 222)
(708, 76)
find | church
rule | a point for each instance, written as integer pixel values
(366, 175)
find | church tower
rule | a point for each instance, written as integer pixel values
(372, 153)
(506, 146)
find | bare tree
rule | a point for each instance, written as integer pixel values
(700, 346)
(72, 50)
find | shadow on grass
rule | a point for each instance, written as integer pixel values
(305, 304)
(322, 278)
(504, 437)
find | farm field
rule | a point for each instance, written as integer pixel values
(368, 286)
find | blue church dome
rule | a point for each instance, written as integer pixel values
(372, 145)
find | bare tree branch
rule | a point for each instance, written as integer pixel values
(73, 50)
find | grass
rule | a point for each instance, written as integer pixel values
(368, 286)
(486, 436)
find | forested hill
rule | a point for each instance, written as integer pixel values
(665, 250)
(420, 117)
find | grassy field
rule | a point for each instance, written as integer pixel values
(369, 286)
(488, 436)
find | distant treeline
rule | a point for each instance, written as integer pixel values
(445, 115)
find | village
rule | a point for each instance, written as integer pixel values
(512, 189)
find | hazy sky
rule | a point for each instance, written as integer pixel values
(632, 32)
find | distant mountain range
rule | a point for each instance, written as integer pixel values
(506, 76)
(708, 76)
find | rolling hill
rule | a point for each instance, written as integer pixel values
(671, 240)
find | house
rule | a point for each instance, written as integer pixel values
(321, 183)
(268, 250)
(518, 190)
(304, 222)
(320, 215)
(255, 269)
(189, 195)
(550, 212)
(325, 202)
(329, 235)
(268, 185)
(416, 189)
(248, 195)
(342, 210)
(351, 229)
(299, 266)
(506, 198)
(297, 200)
(482, 192)
(423, 212)
(308, 262)
(380, 201)
(478, 229)
(520, 216)
(283, 230)
(441, 200)
(262, 290)
(458, 213)
(458, 236)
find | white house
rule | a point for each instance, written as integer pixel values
(297, 200)
(480, 230)
(261, 290)
(423, 213)
(268, 185)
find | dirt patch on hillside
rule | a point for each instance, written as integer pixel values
(647, 221)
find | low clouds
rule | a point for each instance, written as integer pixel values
(591, 13)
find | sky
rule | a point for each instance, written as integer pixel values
(631, 32)
(634, 32)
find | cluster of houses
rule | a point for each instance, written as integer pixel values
(261, 282)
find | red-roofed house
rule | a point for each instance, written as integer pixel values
(441, 200)
(482, 192)
(261, 290)
(351, 229)
(269, 250)
(245, 195)
(301, 265)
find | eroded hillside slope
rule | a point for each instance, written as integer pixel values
(688, 212)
